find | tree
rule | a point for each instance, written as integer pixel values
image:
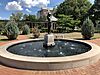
(94, 12)
(2, 26)
(42, 19)
(67, 21)
(75, 8)
(30, 17)
(16, 16)
(98, 28)
(25, 17)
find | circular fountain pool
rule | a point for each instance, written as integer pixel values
(30, 54)
(61, 48)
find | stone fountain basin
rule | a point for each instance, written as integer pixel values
(49, 63)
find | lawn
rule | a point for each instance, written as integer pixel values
(73, 35)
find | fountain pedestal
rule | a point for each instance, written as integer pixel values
(49, 40)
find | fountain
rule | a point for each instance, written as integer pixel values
(49, 53)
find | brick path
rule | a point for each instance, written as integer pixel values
(93, 69)
(20, 37)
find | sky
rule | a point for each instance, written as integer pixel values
(7, 7)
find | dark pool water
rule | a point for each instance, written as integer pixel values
(61, 48)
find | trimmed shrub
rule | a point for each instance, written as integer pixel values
(98, 28)
(36, 32)
(26, 30)
(87, 29)
(11, 30)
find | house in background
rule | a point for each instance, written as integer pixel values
(42, 16)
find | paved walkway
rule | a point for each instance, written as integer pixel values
(20, 37)
(93, 69)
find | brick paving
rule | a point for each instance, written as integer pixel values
(20, 37)
(93, 69)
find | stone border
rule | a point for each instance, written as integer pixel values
(49, 63)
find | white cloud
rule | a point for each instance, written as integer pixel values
(30, 3)
(0, 18)
(42, 3)
(4, 18)
(17, 5)
(26, 3)
(13, 6)
(28, 10)
(92, 1)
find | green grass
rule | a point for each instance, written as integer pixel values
(73, 35)
(96, 36)
(3, 38)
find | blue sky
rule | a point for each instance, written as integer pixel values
(26, 6)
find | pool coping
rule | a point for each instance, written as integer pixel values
(49, 63)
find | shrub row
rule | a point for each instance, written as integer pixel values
(11, 30)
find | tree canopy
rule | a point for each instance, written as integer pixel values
(67, 21)
(29, 17)
(16, 16)
(75, 8)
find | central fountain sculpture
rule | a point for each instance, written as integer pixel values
(49, 38)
